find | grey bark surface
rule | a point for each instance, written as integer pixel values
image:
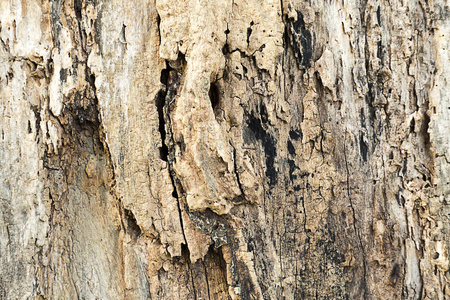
(242, 149)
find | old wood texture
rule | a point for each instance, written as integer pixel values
(224, 149)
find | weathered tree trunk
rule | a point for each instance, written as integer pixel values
(215, 149)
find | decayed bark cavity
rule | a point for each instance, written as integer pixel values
(224, 150)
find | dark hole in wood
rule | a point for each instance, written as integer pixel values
(226, 49)
(249, 32)
(214, 96)
(132, 226)
(160, 102)
(412, 125)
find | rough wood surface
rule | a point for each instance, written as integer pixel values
(211, 149)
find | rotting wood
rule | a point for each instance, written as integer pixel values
(224, 149)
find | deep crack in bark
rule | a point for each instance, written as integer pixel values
(354, 219)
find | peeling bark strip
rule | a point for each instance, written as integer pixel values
(224, 149)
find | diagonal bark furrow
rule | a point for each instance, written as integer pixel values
(170, 78)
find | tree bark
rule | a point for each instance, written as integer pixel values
(208, 149)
